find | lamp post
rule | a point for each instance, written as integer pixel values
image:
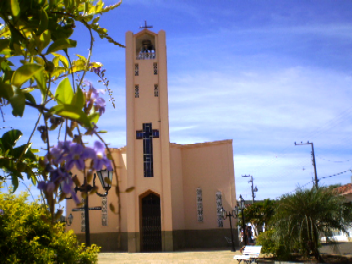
(69, 220)
(242, 206)
(234, 214)
(105, 178)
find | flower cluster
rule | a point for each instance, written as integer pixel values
(93, 99)
(64, 156)
(96, 69)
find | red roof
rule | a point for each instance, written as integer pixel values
(345, 189)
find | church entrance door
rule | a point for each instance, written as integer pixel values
(151, 224)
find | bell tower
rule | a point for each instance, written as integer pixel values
(148, 146)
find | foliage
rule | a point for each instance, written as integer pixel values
(260, 213)
(301, 218)
(270, 246)
(13, 161)
(27, 235)
(35, 65)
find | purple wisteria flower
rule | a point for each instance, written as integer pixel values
(77, 156)
(2, 212)
(96, 69)
(100, 159)
(58, 152)
(63, 157)
(93, 98)
(100, 105)
(46, 186)
(67, 187)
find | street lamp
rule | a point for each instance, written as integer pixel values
(69, 220)
(105, 178)
(242, 206)
(234, 214)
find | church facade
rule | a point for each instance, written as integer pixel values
(178, 189)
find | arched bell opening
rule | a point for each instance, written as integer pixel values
(145, 47)
(150, 222)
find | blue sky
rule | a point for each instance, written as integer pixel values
(263, 73)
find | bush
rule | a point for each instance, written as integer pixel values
(271, 246)
(28, 236)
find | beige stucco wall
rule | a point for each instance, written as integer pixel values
(208, 166)
(178, 211)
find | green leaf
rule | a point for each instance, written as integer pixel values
(25, 149)
(10, 138)
(95, 20)
(35, 150)
(64, 93)
(82, 58)
(4, 43)
(60, 58)
(79, 98)
(39, 77)
(44, 40)
(17, 102)
(43, 22)
(6, 91)
(30, 98)
(24, 73)
(72, 112)
(39, 60)
(94, 118)
(14, 179)
(61, 44)
(15, 8)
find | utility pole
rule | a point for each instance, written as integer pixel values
(313, 161)
(253, 189)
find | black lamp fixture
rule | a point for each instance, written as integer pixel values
(105, 178)
(224, 215)
(69, 220)
(242, 206)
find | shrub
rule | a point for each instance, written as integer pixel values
(28, 236)
(271, 246)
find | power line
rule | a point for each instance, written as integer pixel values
(339, 118)
(336, 174)
(337, 161)
(330, 176)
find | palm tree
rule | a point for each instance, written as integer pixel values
(302, 217)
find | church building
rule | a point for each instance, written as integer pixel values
(178, 189)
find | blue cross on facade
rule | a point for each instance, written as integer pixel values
(147, 134)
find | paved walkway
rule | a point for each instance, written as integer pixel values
(201, 257)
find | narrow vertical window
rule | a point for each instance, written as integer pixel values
(156, 90)
(136, 69)
(155, 68)
(136, 91)
(83, 219)
(148, 149)
(104, 211)
(199, 205)
(218, 209)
